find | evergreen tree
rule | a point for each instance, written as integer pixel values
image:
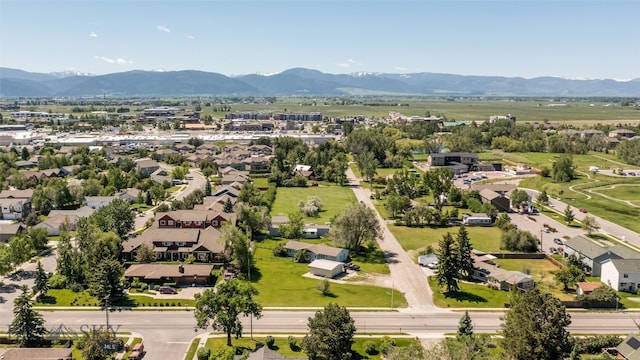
(41, 281)
(207, 188)
(534, 327)
(447, 269)
(148, 200)
(465, 261)
(228, 206)
(465, 326)
(27, 325)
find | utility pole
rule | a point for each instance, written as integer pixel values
(392, 287)
(106, 307)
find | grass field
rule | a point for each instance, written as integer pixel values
(281, 345)
(470, 296)
(280, 282)
(624, 191)
(577, 195)
(579, 111)
(413, 240)
(65, 297)
(539, 160)
(334, 198)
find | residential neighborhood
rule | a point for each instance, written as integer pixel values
(305, 222)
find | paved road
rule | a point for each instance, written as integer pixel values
(167, 334)
(198, 181)
(606, 227)
(12, 284)
(406, 275)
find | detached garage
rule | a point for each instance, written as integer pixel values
(326, 268)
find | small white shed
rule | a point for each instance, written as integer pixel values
(326, 268)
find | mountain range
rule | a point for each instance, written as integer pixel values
(300, 82)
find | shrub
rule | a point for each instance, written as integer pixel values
(279, 250)
(323, 286)
(142, 287)
(370, 347)
(75, 287)
(57, 281)
(270, 341)
(595, 344)
(203, 353)
(293, 345)
(156, 287)
(386, 345)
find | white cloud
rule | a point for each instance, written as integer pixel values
(163, 28)
(119, 61)
(105, 59)
(349, 63)
(93, 35)
(191, 37)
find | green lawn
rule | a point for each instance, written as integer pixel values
(624, 192)
(542, 272)
(334, 198)
(470, 296)
(281, 345)
(614, 211)
(281, 283)
(414, 240)
(65, 297)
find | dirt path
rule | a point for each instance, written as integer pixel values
(610, 187)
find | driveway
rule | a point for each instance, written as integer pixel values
(23, 276)
(406, 275)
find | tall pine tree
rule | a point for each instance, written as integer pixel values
(465, 326)
(535, 327)
(465, 261)
(447, 269)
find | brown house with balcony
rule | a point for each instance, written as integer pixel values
(176, 244)
(193, 219)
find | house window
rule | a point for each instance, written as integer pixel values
(626, 276)
(162, 222)
(187, 222)
(167, 243)
(170, 222)
(214, 223)
(198, 223)
(180, 243)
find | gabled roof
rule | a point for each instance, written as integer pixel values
(629, 347)
(631, 266)
(16, 194)
(230, 190)
(265, 353)
(585, 246)
(156, 271)
(11, 229)
(84, 211)
(170, 234)
(318, 249)
(489, 194)
(57, 220)
(589, 286)
(325, 264)
(146, 163)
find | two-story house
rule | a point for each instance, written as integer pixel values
(15, 209)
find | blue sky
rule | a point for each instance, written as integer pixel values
(568, 38)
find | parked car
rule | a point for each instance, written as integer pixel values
(433, 265)
(632, 174)
(557, 241)
(167, 290)
(583, 211)
(553, 250)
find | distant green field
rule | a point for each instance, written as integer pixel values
(539, 160)
(580, 111)
(334, 198)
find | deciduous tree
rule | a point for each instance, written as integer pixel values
(357, 224)
(569, 216)
(221, 309)
(331, 332)
(590, 224)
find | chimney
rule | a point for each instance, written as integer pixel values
(181, 269)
